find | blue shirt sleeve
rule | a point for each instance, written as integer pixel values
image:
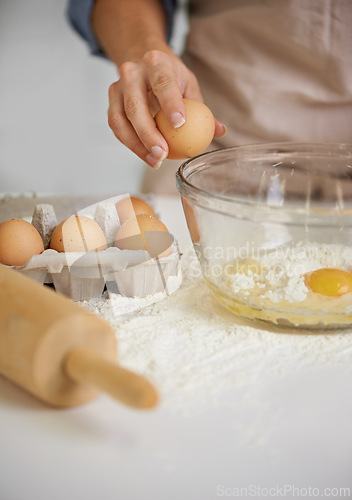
(79, 16)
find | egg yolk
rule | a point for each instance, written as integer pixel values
(332, 282)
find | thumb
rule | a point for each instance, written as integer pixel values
(220, 129)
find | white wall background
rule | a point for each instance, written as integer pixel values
(54, 136)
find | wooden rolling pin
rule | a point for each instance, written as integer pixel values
(58, 351)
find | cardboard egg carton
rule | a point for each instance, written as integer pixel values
(82, 276)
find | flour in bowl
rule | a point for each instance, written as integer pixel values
(273, 286)
(279, 275)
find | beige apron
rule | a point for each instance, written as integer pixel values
(270, 70)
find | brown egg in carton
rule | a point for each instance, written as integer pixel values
(84, 275)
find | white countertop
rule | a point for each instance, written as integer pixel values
(284, 436)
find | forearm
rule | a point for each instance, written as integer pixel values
(128, 29)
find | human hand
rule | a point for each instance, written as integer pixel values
(158, 80)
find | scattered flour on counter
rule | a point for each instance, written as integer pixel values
(112, 305)
(194, 350)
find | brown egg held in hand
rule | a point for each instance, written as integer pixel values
(145, 232)
(78, 234)
(131, 206)
(194, 136)
(19, 241)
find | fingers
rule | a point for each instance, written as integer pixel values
(192, 90)
(157, 81)
(164, 85)
(220, 129)
(120, 125)
(137, 110)
(130, 119)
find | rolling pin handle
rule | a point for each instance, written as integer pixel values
(85, 366)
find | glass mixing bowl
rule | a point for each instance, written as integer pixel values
(272, 228)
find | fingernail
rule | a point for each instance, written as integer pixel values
(224, 131)
(156, 157)
(159, 153)
(177, 120)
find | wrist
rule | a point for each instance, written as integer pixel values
(127, 30)
(136, 51)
